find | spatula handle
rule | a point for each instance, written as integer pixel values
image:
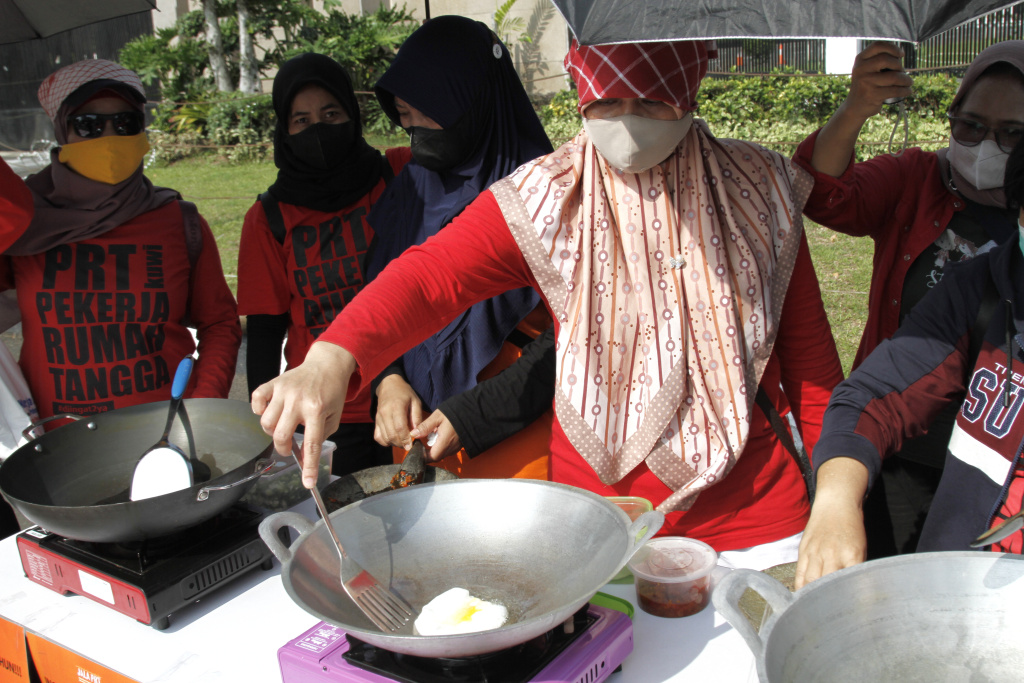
(181, 376)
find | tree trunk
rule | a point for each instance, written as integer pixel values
(215, 47)
(249, 75)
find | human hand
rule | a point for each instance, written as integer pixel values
(834, 537)
(877, 76)
(313, 394)
(447, 441)
(398, 410)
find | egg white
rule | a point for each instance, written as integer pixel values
(456, 611)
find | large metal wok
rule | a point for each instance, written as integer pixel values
(540, 549)
(924, 618)
(74, 481)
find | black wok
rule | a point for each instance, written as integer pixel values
(75, 480)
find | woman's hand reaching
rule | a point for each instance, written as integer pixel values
(313, 395)
(834, 537)
(398, 410)
(446, 443)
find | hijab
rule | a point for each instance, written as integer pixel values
(1010, 52)
(353, 174)
(70, 207)
(667, 284)
(456, 71)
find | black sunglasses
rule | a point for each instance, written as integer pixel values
(969, 133)
(92, 125)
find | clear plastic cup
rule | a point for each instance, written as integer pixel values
(673, 576)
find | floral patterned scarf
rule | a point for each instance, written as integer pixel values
(667, 287)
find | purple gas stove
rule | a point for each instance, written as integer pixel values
(587, 649)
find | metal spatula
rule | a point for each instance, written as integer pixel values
(385, 609)
(165, 468)
(1013, 524)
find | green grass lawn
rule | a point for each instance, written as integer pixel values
(224, 192)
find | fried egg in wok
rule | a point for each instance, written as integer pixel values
(456, 611)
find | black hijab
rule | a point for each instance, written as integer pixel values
(346, 178)
(457, 72)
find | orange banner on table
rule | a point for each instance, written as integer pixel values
(13, 653)
(58, 665)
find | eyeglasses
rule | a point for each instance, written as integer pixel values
(969, 133)
(92, 125)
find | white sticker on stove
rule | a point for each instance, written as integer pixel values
(96, 587)
(320, 639)
(38, 567)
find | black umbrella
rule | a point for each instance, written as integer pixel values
(595, 22)
(28, 19)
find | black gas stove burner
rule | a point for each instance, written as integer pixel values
(141, 556)
(513, 665)
(151, 579)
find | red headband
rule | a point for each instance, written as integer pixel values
(667, 71)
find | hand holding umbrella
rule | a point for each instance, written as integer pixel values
(877, 75)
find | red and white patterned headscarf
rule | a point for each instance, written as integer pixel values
(667, 286)
(668, 71)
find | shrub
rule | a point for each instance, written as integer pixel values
(244, 123)
(779, 111)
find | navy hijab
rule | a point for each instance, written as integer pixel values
(354, 173)
(454, 69)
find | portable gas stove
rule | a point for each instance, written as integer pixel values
(599, 641)
(148, 580)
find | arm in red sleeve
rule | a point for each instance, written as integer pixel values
(862, 200)
(16, 209)
(215, 316)
(806, 350)
(472, 259)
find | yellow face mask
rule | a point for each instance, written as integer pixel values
(110, 159)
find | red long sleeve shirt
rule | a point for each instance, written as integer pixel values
(102, 318)
(15, 206)
(475, 257)
(902, 203)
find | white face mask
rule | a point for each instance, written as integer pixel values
(983, 165)
(634, 143)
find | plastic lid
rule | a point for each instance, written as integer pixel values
(673, 558)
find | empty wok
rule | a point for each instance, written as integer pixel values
(540, 549)
(75, 480)
(942, 617)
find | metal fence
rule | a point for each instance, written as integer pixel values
(951, 50)
(957, 47)
(764, 56)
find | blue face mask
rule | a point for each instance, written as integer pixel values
(1020, 228)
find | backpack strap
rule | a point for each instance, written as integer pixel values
(786, 439)
(193, 231)
(275, 220)
(194, 246)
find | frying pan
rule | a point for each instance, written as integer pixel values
(75, 480)
(539, 548)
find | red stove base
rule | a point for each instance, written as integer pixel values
(150, 589)
(318, 656)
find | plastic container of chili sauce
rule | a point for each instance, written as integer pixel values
(673, 576)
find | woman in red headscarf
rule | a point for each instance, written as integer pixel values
(676, 270)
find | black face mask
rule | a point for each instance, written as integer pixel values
(442, 150)
(323, 146)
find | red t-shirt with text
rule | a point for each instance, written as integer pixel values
(318, 269)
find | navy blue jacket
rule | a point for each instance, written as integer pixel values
(908, 379)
